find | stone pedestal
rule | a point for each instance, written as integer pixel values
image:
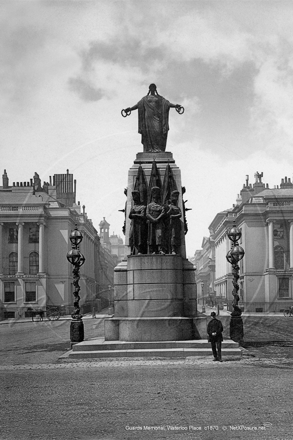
(149, 329)
(154, 299)
(153, 287)
(154, 294)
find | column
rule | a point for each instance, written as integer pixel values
(291, 244)
(228, 247)
(41, 247)
(20, 249)
(271, 244)
(1, 248)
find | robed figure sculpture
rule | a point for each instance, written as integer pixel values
(155, 213)
(138, 229)
(153, 119)
(174, 224)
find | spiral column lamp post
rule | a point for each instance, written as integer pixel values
(202, 295)
(234, 255)
(77, 259)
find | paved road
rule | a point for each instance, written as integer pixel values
(40, 342)
(42, 398)
(147, 399)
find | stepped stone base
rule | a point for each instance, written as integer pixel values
(98, 348)
(154, 300)
(149, 329)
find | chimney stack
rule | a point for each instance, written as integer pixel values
(5, 180)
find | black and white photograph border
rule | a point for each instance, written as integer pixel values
(104, 98)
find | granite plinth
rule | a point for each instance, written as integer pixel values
(159, 157)
(150, 286)
(144, 308)
(149, 329)
(154, 299)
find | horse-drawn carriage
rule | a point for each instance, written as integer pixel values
(52, 313)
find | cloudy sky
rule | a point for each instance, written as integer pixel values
(69, 67)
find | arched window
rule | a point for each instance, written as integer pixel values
(279, 258)
(12, 263)
(33, 263)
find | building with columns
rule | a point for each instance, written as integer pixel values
(35, 223)
(265, 217)
(204, 262)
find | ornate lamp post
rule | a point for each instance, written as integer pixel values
(76, 258)
(234, 255)
(202, 295)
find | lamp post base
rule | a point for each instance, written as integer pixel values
(76, 330)
(236, 329)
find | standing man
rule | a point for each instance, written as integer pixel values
(214, 330)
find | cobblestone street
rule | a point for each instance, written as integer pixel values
(44, 398)
(162, 399)
(40, 342)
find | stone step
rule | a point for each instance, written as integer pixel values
(154, 353)
(100, 344)
(98, 348)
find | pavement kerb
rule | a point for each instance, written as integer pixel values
(227, 313)
(62, 318)
(107, 315)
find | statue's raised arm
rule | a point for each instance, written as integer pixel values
(153, 119)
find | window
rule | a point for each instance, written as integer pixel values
(33, 235)
(283, 287)
(12, 263)
(30, 292)
(8, 314)
(12, 235)
(279, 258)
(9, 292)
(33, 263)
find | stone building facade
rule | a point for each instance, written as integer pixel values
(113, 243)
(265, 217)
(35, 223)
(204, 261)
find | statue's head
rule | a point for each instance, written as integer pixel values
(135, 195)
(174, 195)
(156, 192)
(152, 90)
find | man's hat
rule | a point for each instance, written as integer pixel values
(213, 314)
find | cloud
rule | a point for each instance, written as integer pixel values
(68, 68)
(85, 90)
(272, 112)
(119, 61)
(126, 51)
(20, 67)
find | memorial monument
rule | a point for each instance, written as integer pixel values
(154, 290)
